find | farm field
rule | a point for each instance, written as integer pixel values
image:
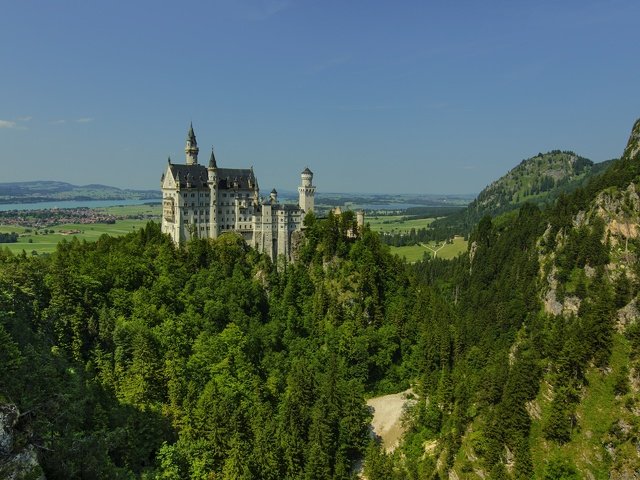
(415, 253)
(123, 210)
(396, 223)
(47, 243)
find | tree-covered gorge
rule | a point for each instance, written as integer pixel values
(130, 358)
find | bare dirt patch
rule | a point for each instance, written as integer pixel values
(387, 417)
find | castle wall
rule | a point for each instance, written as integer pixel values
(196, 203)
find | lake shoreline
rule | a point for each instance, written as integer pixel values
(63, 204)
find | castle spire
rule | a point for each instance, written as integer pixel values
(212, 160)
(191, 148)
(190, 135)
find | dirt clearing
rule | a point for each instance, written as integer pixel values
(387, 414)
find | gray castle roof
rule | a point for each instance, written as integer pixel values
(228, 178)
(307, 171)
(287, 207)
(197, 175)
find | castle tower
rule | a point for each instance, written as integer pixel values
(360, 219)
(191, 148)
(306, 191)
(212, 181)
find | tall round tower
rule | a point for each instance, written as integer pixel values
(191, 148)
(306, 191)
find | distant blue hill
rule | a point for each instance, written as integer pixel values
(47, 190)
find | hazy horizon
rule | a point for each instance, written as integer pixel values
(374, 97)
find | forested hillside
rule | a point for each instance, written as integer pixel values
(129, 358)
(538, 180)
(536, 372)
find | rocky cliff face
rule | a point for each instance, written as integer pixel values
(15, 463)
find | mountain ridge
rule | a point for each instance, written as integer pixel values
(50, 190)
(539, 179)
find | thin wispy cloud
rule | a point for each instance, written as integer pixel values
(25, 119)
(84, 120)
(58, 122)
(7, 124)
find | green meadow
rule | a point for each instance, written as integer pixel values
(396, 223)
(46, 243)
(130, 210)
(415, 253)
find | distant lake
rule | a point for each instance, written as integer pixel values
(74, 204)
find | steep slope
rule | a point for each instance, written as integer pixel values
(537, 372)
(538, 180)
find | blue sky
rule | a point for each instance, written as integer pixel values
(374, 96)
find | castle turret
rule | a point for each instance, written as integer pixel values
(274, 196)
(191, 148)
(306, 191)
(212, 181)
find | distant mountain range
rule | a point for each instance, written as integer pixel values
(45, 191)
(539, 180)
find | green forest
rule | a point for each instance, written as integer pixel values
(130, 358)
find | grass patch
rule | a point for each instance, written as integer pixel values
(597, 411)
(30, 242)
(414, 253)
(130, 210)
(396, 223)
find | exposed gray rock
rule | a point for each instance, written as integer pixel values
(627, 315)
(21, 465)
(570, 306)
(8, 418)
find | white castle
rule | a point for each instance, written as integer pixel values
(204, 202)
